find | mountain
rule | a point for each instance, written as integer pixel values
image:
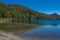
(56, 15)
(20, 12)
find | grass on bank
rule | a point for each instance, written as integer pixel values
(15, 27)
(18, 28)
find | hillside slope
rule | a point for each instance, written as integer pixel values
(21, 12)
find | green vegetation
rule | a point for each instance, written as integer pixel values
(19, 13)
(17, 18)
(15, 27)
(18, 28)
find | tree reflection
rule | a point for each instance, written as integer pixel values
(54, 24)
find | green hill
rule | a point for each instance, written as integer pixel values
(19, 12)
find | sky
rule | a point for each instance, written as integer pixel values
(45, 6)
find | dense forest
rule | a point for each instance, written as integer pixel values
(18, 13)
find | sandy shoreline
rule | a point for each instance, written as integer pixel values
(7, 36)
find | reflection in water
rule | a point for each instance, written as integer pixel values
(48, 22)
(50, 31)
(42, 33)
(54, 24)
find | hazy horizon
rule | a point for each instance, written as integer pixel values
(45, 6)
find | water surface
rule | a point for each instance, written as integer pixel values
(50, 31)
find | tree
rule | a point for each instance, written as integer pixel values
(22, 18)
(29, 19)
(2, 14)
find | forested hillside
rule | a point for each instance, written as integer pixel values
(19, 12)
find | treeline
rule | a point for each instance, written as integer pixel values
(21, 13)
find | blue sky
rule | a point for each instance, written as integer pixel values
(45, 6)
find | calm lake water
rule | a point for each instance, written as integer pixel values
(49, 31)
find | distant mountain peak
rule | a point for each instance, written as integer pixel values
(55, 14)
(22, 12)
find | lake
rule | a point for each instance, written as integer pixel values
(49, 31)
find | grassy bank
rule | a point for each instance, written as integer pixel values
(18, 27)
(15, 27)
